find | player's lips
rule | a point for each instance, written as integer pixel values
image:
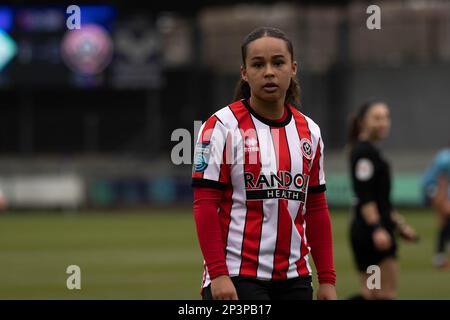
(270, 87)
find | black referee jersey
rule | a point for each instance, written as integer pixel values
(371, 181)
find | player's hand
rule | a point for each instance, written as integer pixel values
(222, 288)
(382, 239)
(408, 233)
(326, 291)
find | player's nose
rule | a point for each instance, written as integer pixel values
(268, 72)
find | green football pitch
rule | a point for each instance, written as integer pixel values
(154, 255)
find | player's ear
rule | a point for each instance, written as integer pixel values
(244, 73)
(294, 68)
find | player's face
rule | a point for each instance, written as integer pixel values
(377, 121)
(268, 68)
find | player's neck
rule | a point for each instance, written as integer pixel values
(366, 136)
(267, 109)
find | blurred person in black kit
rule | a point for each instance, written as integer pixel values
(374, 221)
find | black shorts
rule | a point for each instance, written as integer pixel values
(364, 252)
(254, 289)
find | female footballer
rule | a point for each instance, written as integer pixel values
(374, 220)
(259, 185)
(436, 187)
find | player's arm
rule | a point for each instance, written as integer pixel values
(370, 214)
(318, 230)
(364, 170)
(440, 200)
(206, 202)
(319, 235)
(405, 230)
(211, 172)
(380, 236)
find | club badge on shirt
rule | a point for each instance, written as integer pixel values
(364, 169)
(306, 148)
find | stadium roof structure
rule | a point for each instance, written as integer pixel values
(186, 7)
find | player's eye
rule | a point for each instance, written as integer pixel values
(278, 63)
(257, 65)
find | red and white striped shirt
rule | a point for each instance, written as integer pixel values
(266, 169)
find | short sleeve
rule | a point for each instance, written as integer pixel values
(211, 167)
(317, 173)
(363, 176)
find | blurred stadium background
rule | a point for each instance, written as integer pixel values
(86, 118)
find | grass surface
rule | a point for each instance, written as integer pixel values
(156, 256)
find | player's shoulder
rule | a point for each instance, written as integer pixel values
(444, 155)
(364, 149)
(226, 115)
(314, 128)
(221, 118)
